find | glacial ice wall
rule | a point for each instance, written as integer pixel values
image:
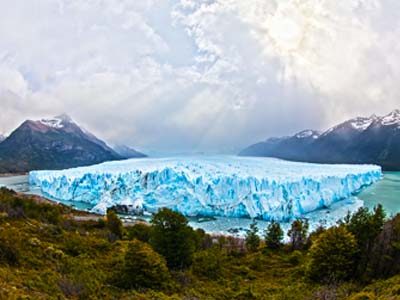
(264, 188)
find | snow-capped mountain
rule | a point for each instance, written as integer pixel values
(2, 137)
(374, 139)
(54, 143)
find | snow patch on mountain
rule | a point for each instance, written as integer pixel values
(391, 119)
(307, 134)
(57, 122)
(53, 123)
(362, 124)
(226, 186)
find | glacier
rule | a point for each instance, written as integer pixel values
(224, 186)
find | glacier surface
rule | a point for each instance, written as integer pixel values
(226, 186)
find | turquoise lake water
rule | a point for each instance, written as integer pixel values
(385, 192)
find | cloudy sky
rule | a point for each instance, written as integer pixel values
(198, 75)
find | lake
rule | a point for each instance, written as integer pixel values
(385, 192)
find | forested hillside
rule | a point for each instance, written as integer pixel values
(45, 253)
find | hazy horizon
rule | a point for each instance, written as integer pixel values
(189, 76)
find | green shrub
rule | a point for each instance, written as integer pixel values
(333, 256)
(140, 232)
(75, 245)
(114, 224)
(143, 268)
(363, 296)
(18, 207)
(8, 253)
(295, 258)
(207, 263)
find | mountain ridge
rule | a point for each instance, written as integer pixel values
(374, 139)
(54, 143)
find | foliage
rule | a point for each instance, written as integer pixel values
(208, 263)
(365, 226)
(143, 268)
(8, 254)
(363, 296)
(76, 260)
(252, 238)
(173, 238)
(203, 240)
(23, 207)
(385, 254)
(140, 231)
(333, 255)
(114, 224)
(273, 235)
(298, 234)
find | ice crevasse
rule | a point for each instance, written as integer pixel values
(264, 188)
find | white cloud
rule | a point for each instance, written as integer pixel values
(198, 74)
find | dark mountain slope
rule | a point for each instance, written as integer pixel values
(373, 140)
(52, 144)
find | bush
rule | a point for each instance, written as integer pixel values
(114, 224)
(140, 232)
(8, 254)
(18, 207)
(71, 289)
(333, 256)
(295, 258)
(173, 238)
(363, 296)
(207, 263)
(143, 268)
(75, 245)
(203, 240)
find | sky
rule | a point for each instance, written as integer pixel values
(198, 75)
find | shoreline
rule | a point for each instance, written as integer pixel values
(76, 214)
(4, 175)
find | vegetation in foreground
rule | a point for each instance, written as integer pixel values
(45, 254)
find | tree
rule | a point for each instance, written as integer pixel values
(273, 236)
(298, 234)
(385, 254)
(365, 226)
(173, 238)
(252, 238)
(143, 267)
(114, 224)
(333, 256)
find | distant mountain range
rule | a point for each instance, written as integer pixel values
(55, 143)
(372, 140)
(128, 152)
